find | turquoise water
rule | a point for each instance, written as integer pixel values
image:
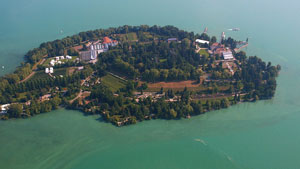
(252, 135)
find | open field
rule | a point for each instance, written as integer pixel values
(39, 75)
(60, 71)
(129, 37)
(176, 86)
(148, 35)
(162, 60)
(179, 86)
(42, 75)
(112, 82)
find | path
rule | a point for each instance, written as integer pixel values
(117, 76)
(79, 95)
(28, 77)
(33, 70)
(237, 49)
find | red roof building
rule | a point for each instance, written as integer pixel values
(106, 40)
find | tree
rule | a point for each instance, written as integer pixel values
(173, 114)
(213, 39)
(15, 110)
(225, 103)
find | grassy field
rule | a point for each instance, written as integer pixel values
(147, 34)
(129, 37)
(179, 86)
(60, 71)
(42, 75)
(203, 52)
(112, 82)
(39, 75)
(162, 60)
(175, 86)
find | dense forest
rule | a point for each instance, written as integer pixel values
(154, 62)
(149, 58)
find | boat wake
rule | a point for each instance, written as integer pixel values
(220, 152)
(201, 141)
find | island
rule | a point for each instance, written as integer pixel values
(133, 73)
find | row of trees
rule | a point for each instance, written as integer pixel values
(125, 110)
(20, 110)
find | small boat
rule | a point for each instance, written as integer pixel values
(234, 29)
(2, 67)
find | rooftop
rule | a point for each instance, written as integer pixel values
(107, 40)
(202, 41)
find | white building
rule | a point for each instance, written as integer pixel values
(47, 70)
(80, 68)
(228, 55)
(51, 70)
(96, 48)
(4, 108)
(68, 57)
(223, 36)
(202, 41)
(62, 57)
(52, 62)
(57, 58)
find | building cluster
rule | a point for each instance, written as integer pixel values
(221, 50)
(154, 95)
(172, 40)
(218, 48)
(58, 60)
(49, 70)
(45, 97)
(95, 48)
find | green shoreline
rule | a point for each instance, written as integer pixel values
(131, 81)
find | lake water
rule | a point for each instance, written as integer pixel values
(257, 135)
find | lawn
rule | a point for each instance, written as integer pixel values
(60, 71)
(162, 60)
(129, 37)
(42, 75)
(203, 52)
(113, 83)
(179, 86)
(148, 35)
(39, 75)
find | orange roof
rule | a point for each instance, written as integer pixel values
(215, 44)
(107, 40)
(220, 50)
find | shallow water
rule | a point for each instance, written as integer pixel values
(251, 135)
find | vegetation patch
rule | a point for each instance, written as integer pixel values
(112, 82)
(129, 37)
(39, 75)
(203, 52)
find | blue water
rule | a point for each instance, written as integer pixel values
(251, 135)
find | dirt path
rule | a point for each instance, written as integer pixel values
(79, 95)
(33, 70)
(28, 77)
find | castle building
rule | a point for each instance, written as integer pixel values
(96, 48)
